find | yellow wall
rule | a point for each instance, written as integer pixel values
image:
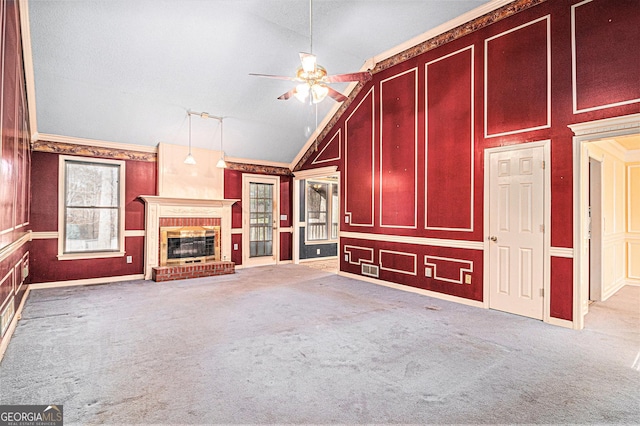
(633, 223)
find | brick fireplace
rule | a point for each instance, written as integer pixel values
(163, 213)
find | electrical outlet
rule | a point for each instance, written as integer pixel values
(346, 257)
(346, 219)
(428, 272)
(317, 251)
(467, 279)
(129, 259)
(235, 246)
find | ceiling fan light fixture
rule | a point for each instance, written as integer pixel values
(308, 62)
(302, 92)
(318, 93)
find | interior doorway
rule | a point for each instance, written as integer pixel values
(615, 144)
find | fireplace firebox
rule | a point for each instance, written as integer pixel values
(183, 245)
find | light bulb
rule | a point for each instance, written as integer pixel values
(318, 93)
(302, 92)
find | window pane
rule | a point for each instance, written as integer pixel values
(91, 229)
(317, 213)
(92, 185)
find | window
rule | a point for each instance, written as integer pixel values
(322, 210)
(91, 213)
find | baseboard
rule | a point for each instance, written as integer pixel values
(313, 259)
(89, 281)
(410, 289)
(14, 323)
(560, 322)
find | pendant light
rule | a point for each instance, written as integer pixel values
(221, 163)
(189, 160)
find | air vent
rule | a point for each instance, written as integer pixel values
(6, 317)
(370, 270)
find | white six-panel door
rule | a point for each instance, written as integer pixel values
(516, 231)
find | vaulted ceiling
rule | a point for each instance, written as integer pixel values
(128, 71)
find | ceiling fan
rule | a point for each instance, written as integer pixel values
(313, 79)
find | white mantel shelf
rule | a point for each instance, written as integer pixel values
(157, 207)
(172, 201)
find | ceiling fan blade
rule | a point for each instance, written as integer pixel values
(287, 95)
(336, 95)
(279, 77)
(354, 76)
(308, 61)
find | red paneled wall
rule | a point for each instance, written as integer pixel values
(410, 146)
(15, 168)
(140, 179)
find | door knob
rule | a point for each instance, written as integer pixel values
(494, 239)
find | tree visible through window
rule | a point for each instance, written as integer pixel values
(322, 211)
(91, 207)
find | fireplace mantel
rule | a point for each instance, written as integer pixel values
(157, 207)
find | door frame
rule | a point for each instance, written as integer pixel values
(546, 155)
(246, 210)
(319, 172)
(595, 232)
(590, 131)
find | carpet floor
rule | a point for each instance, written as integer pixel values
(293, 344)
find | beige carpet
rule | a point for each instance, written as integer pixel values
(294, 344)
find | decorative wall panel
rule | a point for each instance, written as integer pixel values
(355, 255)
(605, 54)
(331, 151)
(399, 150)
(359, 163)
(397, 261)
(447, 269)
(517, 68)
(449, 141)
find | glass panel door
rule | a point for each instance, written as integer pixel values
(261, 219)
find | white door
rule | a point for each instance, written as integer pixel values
(516, 231)
(260, 220)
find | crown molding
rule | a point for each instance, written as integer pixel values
(27, 57)
(93, 143)
(256, 162)
(121, 153)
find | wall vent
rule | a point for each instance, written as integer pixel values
(6, 317)
(370, 270)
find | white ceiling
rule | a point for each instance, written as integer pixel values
(128, 70)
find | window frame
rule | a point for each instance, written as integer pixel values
(330, 183)
(62, 190)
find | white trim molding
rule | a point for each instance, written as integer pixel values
(422, 241)
(9, 249)
(88, 281)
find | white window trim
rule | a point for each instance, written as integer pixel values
(61, 204)
(329, 240)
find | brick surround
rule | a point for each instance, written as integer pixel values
(170, 273)
(190, 221)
